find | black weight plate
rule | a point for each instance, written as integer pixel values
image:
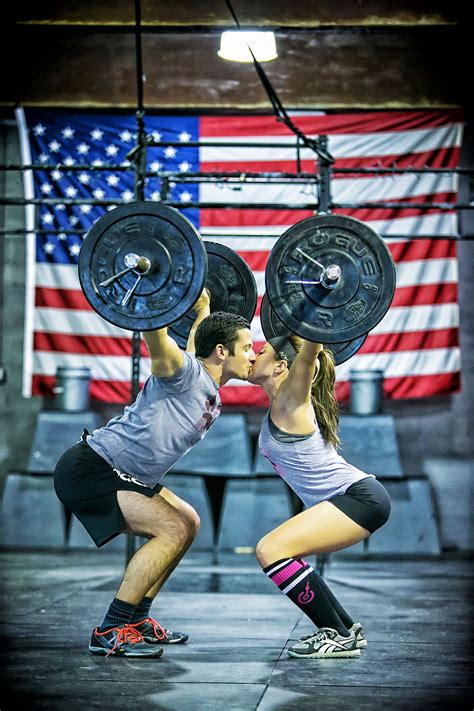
(174, 282)
(272, 327)
(232, 286)
(358, 302)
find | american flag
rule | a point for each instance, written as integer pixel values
(416, 344)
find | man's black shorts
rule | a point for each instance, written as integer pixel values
(87, 485)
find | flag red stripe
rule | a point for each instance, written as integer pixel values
(442, 158)
(411, 341)
(363, 122)
(86, 345)
(118, 392)
(425, 295)
(61, 299)
(411, 386)
(219, 217)
(107, 345)
(411, 250)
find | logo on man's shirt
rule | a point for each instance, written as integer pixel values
(213, 408)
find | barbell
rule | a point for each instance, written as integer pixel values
(329, 278)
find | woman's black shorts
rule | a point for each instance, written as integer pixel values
(366, 502)
(87, 485)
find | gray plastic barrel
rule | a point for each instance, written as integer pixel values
(72, 389)
(366, 392)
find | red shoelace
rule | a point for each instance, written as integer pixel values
(158, 630)
(124, 634)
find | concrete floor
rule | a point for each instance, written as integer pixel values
(416, 613)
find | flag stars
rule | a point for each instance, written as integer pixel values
(155, 196)
(74, 250)
(184, 167)
(112, 150)
(155, 166)
(84, 178)
(85, 209)
(68, 132)
(56, 175)
(98, 193)
(69, 161)
(43, 157)
(156, 135)
(47, 218)
(97, 162)
(39, 129)
(125, 163)
(185, 196)
(126, 136)
(60, 207)
(127, 196)
(96, 134)
(184, 137)
(49, 247)
(113, 180)
(70, 191)
(83, 149)
(62, 236)
(170, 151)
(46, 188)
(54, 146)
(73, 220)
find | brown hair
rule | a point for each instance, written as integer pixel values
(323, 397)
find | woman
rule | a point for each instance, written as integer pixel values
(343, 504)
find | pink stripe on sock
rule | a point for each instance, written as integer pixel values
(287, 572)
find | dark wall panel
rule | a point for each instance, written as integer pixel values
(334, 69)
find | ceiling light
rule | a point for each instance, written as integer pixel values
(235, 46)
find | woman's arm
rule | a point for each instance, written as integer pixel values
(297, 387)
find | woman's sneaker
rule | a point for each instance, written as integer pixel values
(121, 641)
(355, 630)
(153, 633)
(325, 644)
(359, 634)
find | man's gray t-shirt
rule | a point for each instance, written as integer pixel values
(169, 416)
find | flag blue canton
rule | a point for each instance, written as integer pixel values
(66, 139)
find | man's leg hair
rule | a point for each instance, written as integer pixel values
(170, 533)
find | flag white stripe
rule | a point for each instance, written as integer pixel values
(345, 190)
(401, 319)
(440, 223)
(101, 367)
(398, 319)
(394, 365)
(409, 273)
(344, 145)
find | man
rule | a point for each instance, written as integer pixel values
(111, 480)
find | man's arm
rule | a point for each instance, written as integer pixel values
(166, 358)
(203, 309)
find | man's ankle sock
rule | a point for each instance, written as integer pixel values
(142, 610)
(119, 613)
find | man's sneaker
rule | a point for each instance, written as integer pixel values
(359, 634)
(121, 641)
(153, 633)
(325, 644)
(356, 630)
